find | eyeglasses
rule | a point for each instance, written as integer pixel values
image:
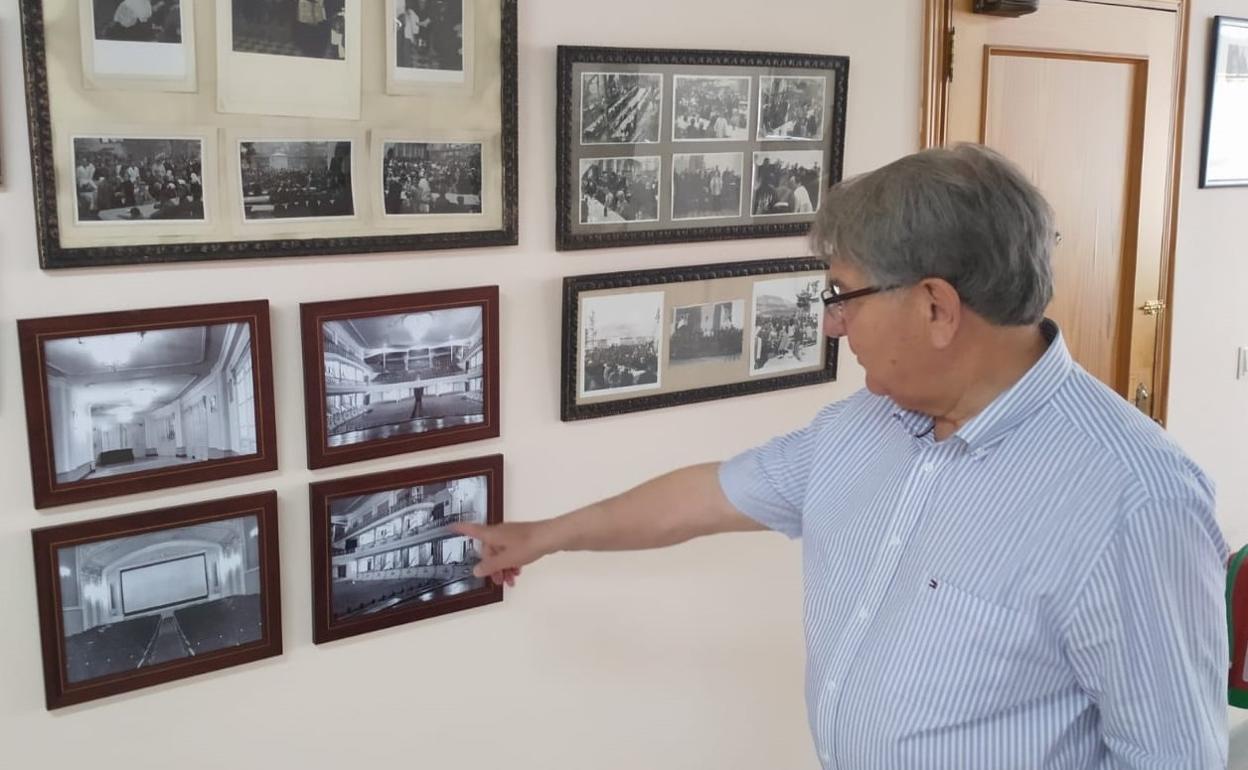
(834, 299)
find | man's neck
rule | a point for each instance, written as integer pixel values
(994, 362)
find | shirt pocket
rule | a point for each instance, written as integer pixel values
(973, 658)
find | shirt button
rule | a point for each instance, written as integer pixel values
(894, 542)
(928, 467)
(863, 614)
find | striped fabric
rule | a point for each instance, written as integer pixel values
(1044, 589)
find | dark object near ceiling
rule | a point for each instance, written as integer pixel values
(1007, 7)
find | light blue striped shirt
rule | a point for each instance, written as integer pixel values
(1043, 589)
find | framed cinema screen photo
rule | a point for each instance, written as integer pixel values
(136, 600)
(664, 146)
(647, 339)
(137, 400)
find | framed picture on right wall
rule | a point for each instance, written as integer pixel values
(1224, 160)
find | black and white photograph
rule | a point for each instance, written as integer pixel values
(621, 108)
(393, 550)
(311, 29)
(1226, 111)
(621, 342)
(296, 179)
(120, 180)
(707, 108)
(138, 21)
(145, 600)
(710, 332)
(143, 401)
(619, 190)
(431, 178)
(787, 328)
(787, 182)
(706, 185)
(791, 107)
(403, 374)
(429, 39)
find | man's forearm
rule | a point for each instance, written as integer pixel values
(666, 510)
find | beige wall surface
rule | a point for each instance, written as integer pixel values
(688, 658)
(1208, 406)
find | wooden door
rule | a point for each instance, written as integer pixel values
(1082, 96)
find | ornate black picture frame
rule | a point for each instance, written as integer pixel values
(672, 146)
(1224, 153)
(648, 339)
(69, 120)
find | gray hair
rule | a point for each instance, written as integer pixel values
(964, 214)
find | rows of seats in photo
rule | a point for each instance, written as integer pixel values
(620, 108)
(312, 29)
(429, 178)
(621, 336)
(143, 401)
(787, 328)
(429, 35)
(144, 600)
(296, 179)
(138, 21)
(617, 190)
(394, 550)
(126, 180)
(403, 374)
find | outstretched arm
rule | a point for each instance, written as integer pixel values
(666, 510)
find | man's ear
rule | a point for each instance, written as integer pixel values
(943, 309)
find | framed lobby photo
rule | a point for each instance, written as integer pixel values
(132, 601)
(1224, 160)
(647, 339)
(388, 375)
(312, 127)
(136, 400)
(671, 146)
(383, 553)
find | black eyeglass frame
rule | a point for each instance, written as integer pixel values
(832, 297)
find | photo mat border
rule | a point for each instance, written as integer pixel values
(52, 255)
(567, 135)
(573, 286)
(47, 540)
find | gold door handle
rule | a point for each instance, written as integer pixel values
(1153, 307)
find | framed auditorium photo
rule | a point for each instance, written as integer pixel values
(385, 551)
(671, 146)
(388, 375)
(132, 601)
(290, 139)
(647, 339)
(136, 400)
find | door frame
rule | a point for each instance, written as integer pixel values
(937, 73)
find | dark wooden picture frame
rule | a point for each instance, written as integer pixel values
(1220, 72)
(727, 313)
(34, 335)
(122, 630)
(411, 601)
(454, 308)
(46, 156)
(669, 65)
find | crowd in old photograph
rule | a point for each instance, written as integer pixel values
(620, 108)
(429, 34)
(621, 365)
(785, 186)
(448, 185)
(706, 190)
(619, 192)
(313, 29)
(129, 181)
(791, 108)
(711, 108)
(784, 336)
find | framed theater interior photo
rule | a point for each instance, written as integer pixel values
(388, 375)
(131, 601)
(384, 553)
(136, 400)
(648, 339)
(667, 146)
(178, 130)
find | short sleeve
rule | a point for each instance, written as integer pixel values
(768, 483)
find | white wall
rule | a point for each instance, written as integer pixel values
(1208, 406)
(682, 659)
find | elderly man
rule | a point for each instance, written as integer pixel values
(1006, 565)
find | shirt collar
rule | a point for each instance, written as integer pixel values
(1014, 405)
